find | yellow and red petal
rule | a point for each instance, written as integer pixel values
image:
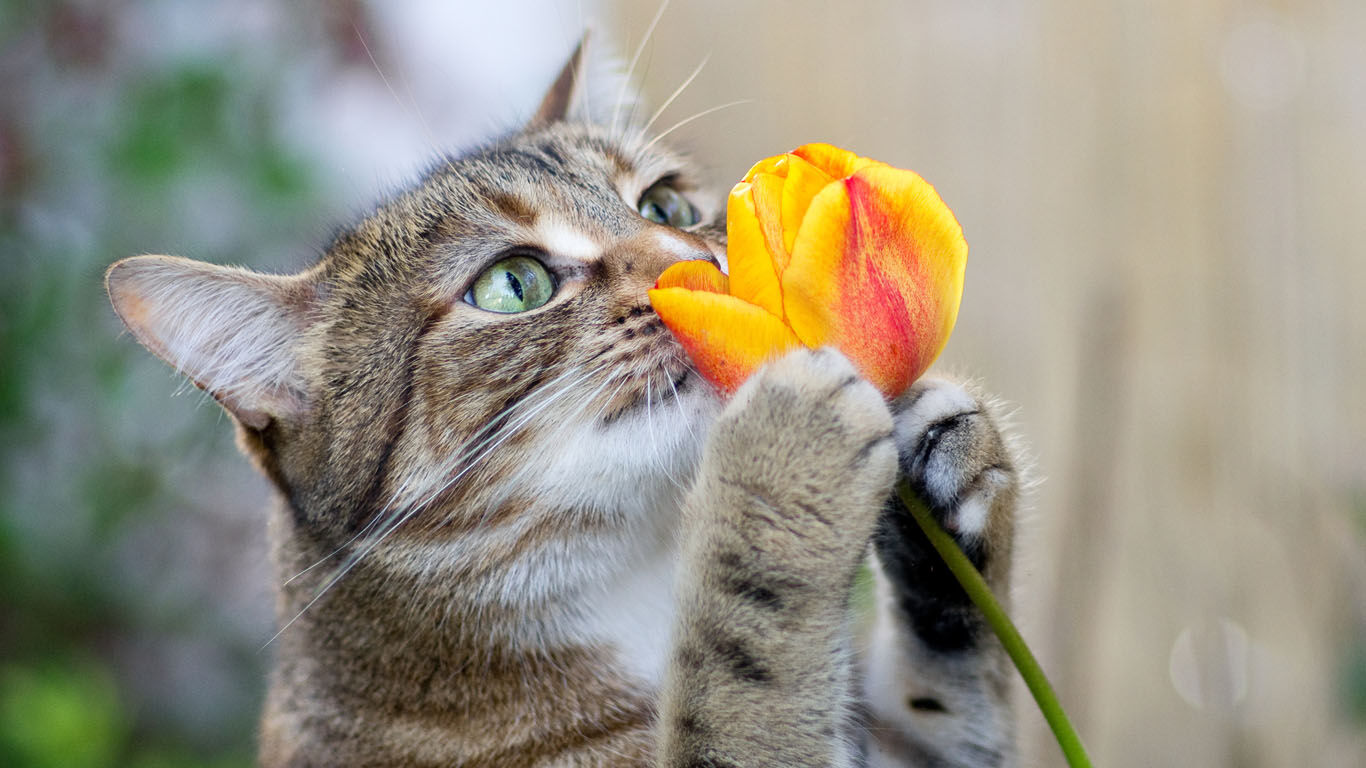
(877, 270)
(766, 191)
(813, 281)
(695, 275)
(803, 182)
(726, 337)
(773, 165)
(753, 276)
(837, 163)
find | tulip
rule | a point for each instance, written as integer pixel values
(826, 248)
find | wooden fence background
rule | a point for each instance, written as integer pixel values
(1166, 205)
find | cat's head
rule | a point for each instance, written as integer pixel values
(473, 373)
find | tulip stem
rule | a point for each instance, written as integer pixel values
(1000, 623)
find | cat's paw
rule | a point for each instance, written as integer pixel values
(807, 445)
(955, 458)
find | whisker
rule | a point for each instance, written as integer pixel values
(494, 504)
(677, 91)
(381, 515)
(499, 436)
(682, 413)
(506, 432)
(479, 453)
(657, 459)
(399, 518)
(426, 129)
(631, 68)
(582, 86)
(635, 102)
(697, 116)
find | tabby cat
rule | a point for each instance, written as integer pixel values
(515, 528)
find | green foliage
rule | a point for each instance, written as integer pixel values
(1353, 681)
(109, 149)
(59, 715)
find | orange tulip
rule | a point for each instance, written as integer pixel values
(826, 248)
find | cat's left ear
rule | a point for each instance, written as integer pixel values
(233, 332)
(557, 101)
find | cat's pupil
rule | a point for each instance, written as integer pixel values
(516, 286)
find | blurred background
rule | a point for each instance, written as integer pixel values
(1166, 204)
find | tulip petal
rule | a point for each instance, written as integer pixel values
(838, 163)
(766, 190)
(694, 275)
(726, 338)
(772, 165)
(804, 181)
(753, 276)
(877, 270)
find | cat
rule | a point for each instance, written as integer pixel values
(515, 528)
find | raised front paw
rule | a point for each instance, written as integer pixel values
(956, 460)
(805, 453)
(952, 452)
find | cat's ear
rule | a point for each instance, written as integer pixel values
(233, 332)
(557, 101)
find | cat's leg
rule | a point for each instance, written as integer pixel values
(936, 680)
(791, 485)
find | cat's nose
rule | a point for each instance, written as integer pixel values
(662, 247)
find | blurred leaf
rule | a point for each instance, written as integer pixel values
(31, 312)
(172, 759)
(280, 175)
(118, 488)
(167, 118)
(1354, 681)
(64, 716)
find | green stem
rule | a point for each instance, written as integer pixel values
(1000, 623)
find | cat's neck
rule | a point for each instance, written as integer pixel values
(368, 692)
(361, 649)
(633, 613)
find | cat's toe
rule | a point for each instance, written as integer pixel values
(953, 454)
(811, 442)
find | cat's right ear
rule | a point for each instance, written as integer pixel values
(557, 101)
(233, 332)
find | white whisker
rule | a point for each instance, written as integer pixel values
(479, 453)
(426, 129)
(395, 520)
(569, 418)
(363, 531)
(677, 91)
(631, 68)
(658, 460)
(506, 431)
(397, 494)
(697, 116)
(682, 412)
(608, 400)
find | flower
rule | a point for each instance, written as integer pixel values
(826, 248)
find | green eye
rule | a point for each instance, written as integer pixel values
(663, 204)
(515, 284)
